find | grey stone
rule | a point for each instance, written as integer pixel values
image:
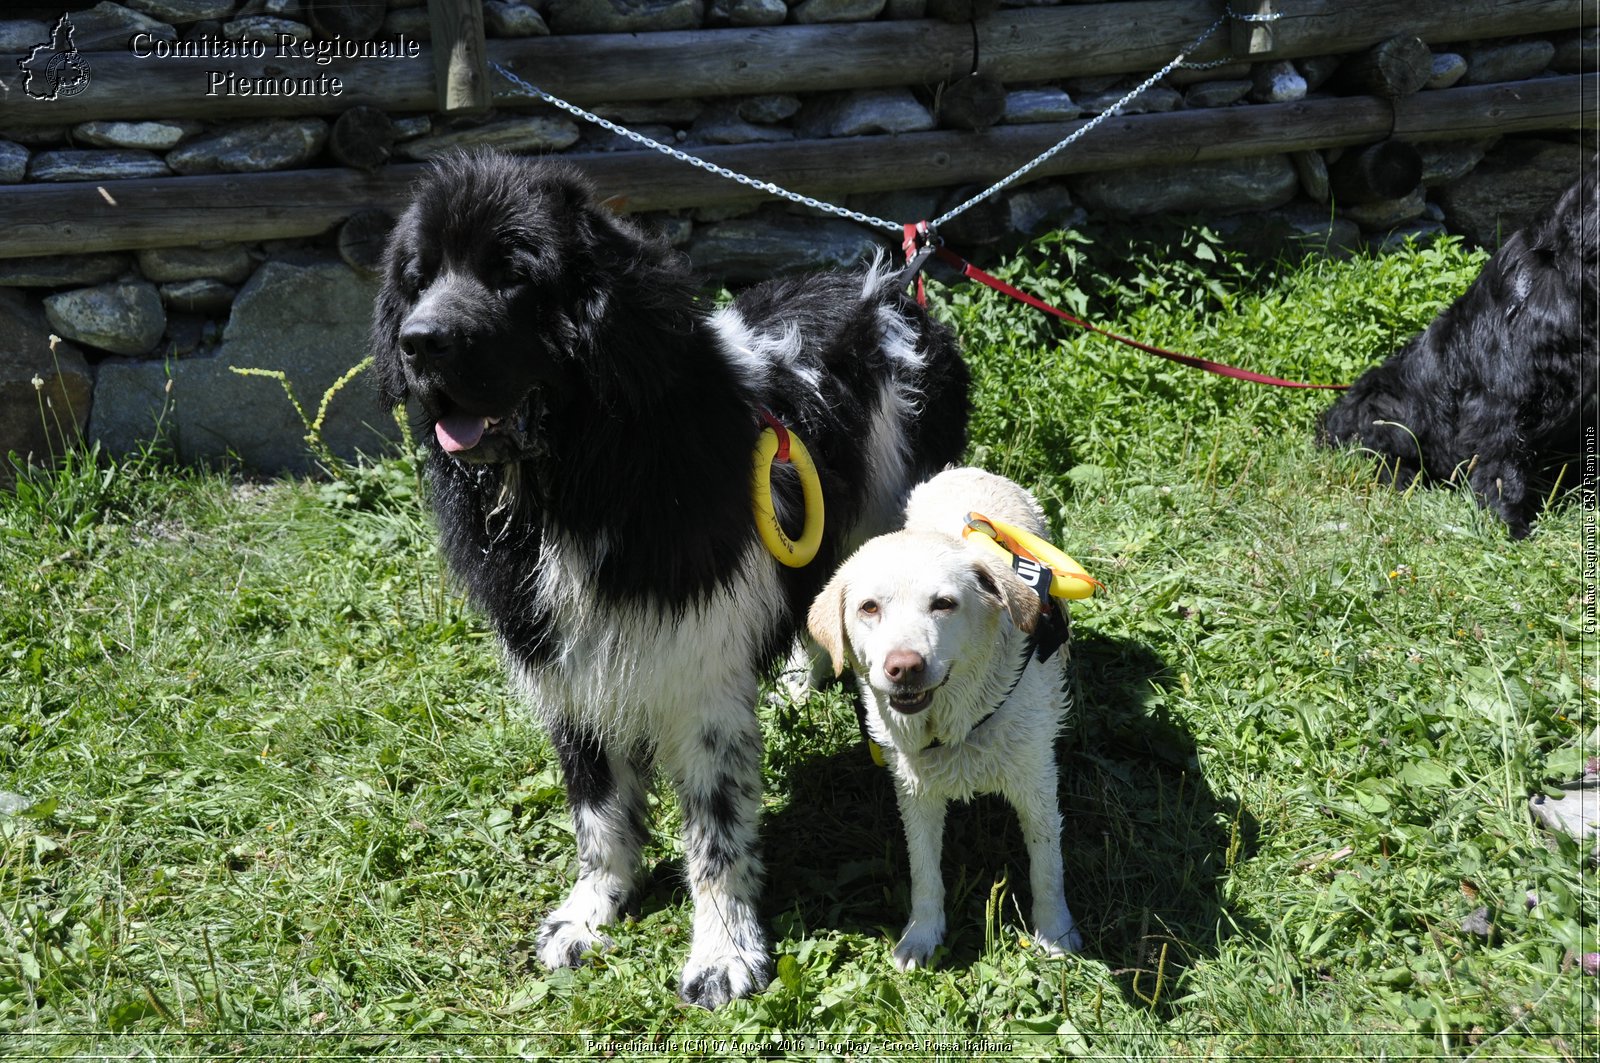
(1182, 78)
(906, 9)
(202, 295)
(1420, 232)
(272, 144)
(624, 16)
(13, 163)
(893, 110)
(265, 29)
(1446, 161)
(35, 136)
(309, 322)
(810, 12)
(1217, 93)
(179, 12)
(667, 112)
(757, 12)
(1507, 61)
(721, 124)
(1382, 215)
(751, 249)
(95, 164)
(1509, 186)
(19, 35)
(1158, 99)
(109, 27)
(1312, 170)
(281, 8)
(150, 136)
(60, 271)
(411, 23)
(1278, 82)
(417, 125)
(43, 420)
(1040, 105)
(513, 20)
(900, 204)
(1215, 187)
(1579, 54)
(1043, 208)
(1575, 814)
(1478, 923)
(1448, 68)
(769, 109)
(536, 132)
(122, 317)
(592, 138)
(231, 263)
(1317, 69)
(1291, 232)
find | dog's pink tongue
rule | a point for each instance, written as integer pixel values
(459, 431)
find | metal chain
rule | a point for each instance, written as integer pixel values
(856, 215)
(710, 167)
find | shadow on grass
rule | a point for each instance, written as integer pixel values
(1147, 843)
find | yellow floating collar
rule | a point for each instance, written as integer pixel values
(777, 443)
(1068, 578)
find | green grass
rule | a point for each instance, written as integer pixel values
(277, 799)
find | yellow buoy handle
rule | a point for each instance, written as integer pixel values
(795, 554)
(1069, 580)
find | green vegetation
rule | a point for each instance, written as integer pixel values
(266, 791)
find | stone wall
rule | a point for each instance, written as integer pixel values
(151, 335)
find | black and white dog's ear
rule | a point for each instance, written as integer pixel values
(388, 316)
(825, 621)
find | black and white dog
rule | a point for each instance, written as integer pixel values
(590, 432)
(1497, 385)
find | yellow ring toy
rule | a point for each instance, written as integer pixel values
(1069, 580)
(795, 554)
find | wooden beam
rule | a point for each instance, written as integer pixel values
(42, 219)
(1025, 45)
(460, 68)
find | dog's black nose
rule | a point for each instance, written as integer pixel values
(902, 666)
(425, 340)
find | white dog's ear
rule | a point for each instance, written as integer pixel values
(1007, 591)
(825, 621)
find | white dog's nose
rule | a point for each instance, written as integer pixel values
(904, 666)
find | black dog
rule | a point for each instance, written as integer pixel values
(1497, 385)
(590, 433)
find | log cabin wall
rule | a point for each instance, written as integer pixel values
(180, 178)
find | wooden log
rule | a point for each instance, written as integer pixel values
(1025, 45)
(362, 239)
(975, 102)
(1386, 170)
(1393, 68)
(42, 219)
(460, 64)
(363, 137)
(1251, 36)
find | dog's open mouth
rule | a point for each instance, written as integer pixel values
(911, 704)
(473, 437)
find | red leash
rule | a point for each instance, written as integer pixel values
(972, 272)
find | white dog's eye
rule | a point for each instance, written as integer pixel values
(944, 604)
(868, 608)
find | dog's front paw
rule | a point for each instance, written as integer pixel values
(712, 983)
(916, 945)
(562, 942)
(1059, 939)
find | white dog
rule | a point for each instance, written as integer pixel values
(964, 673)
